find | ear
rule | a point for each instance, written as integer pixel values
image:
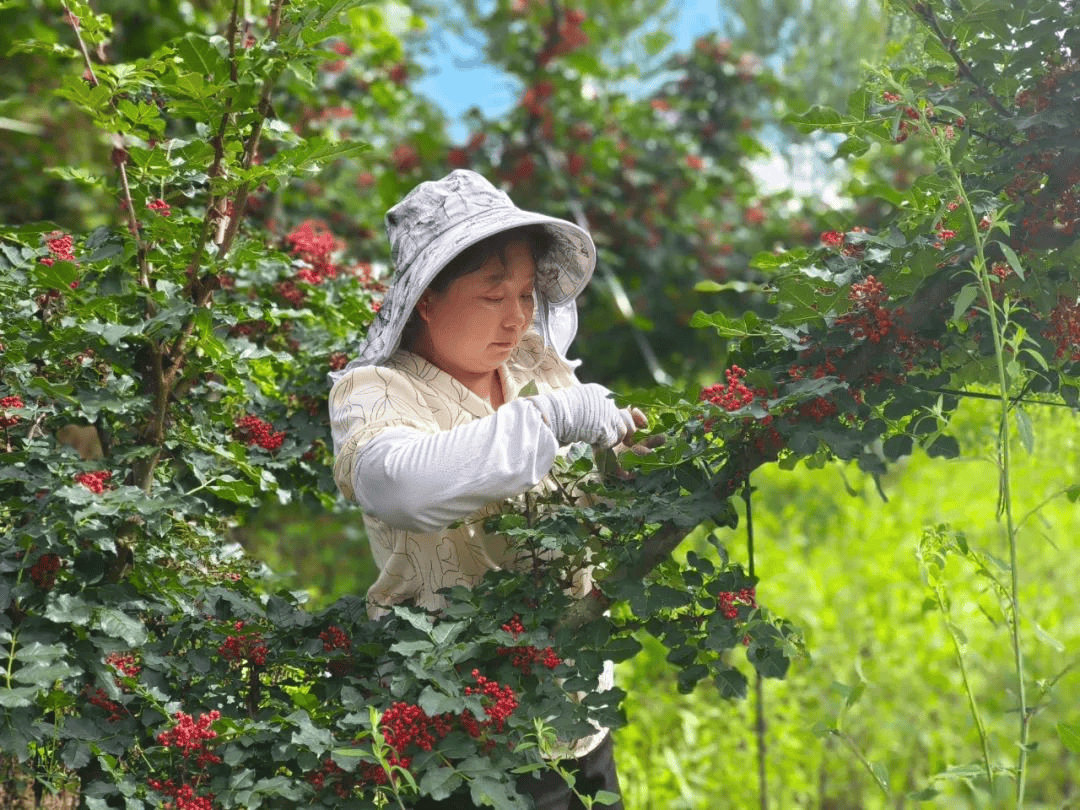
(423, 306)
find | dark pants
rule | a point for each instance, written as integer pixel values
(594, 772)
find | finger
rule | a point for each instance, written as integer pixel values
(657, 440)
(640, 419)
(628, 427)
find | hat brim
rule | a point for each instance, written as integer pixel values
(561, 274)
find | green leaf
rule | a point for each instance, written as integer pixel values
(880, 773)
(114, 623)
(896, 446)
(853, 146)
(1048, 639)
(17, 696)
(818, 117)
(964, 299)
(656, 41)
(731, 683)
(1025, 430)
(605, 797)
(943, 447)
(199, 55)
(1070, 736)
(924, 795)
(1011, 258)
(439, 783)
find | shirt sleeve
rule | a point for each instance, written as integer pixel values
(391, 457)
(420, 482)
(364, 403)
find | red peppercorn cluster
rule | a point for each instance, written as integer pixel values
(499, 703)
(334, 638)
(818, 409)
(253, 430)
(246, 648)
(183, 796)
(728, 601)
(338, 361)
(94, 481)
(127, 664)
(832, 239)
(943, 235)
(525, 656)
(61, 246)
(1064, 330)
(43, 572)
(6, 403)
(190, 736)
(332, 775)
(405, 724)
(288, 291)
(733, 395)
(868, 319)
(160, 206)
(101, 700)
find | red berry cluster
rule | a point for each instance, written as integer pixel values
(288, 291)
(535, 96)
(405, 724)
(43, 572)
(567, 38)
(818, 409)
(338, 361)
(405, 158)
(499, 703)
(334, 775)
(61, 246)
(14, 401)
(253, 430)
(183, 796)
(127, 664)
(190, 736)
(101, 700)
(943, 235)
(160, 206)
(245, 648)
(313, 242)
(524, 656)
(94, 481)
(833, 239)
(735, 394)
(1064, 330)
(728, 601)
(334, 638)
(868, 318)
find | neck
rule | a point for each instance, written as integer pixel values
(486, 385)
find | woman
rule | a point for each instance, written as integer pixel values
(428, 423)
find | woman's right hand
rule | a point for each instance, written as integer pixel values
(587, 413)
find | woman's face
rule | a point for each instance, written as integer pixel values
(474, 325)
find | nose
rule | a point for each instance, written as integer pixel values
(519, 313)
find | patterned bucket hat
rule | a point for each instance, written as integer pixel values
(435, 222)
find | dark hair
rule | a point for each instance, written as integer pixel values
(472, 258)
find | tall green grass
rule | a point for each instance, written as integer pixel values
(841, 563)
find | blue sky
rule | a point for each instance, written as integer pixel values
(459, 79)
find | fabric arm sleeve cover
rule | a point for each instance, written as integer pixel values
(421, 482)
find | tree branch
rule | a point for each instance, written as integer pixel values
(921, 310)
(926, 12)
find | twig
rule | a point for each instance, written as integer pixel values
(73, 21)
(924, 10)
